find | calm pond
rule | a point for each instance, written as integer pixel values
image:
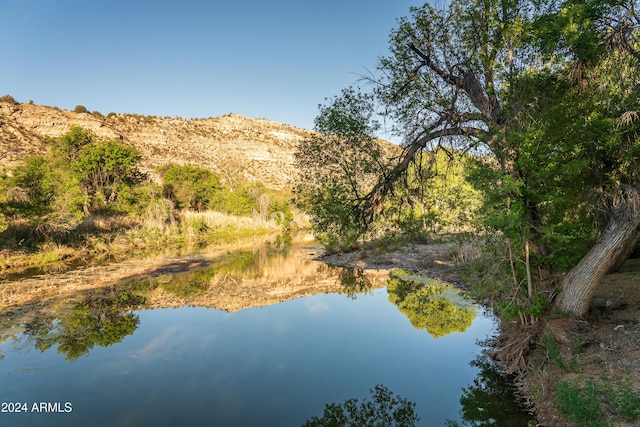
(256, 338)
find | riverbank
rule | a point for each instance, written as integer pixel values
(574, 371)
(567, 364)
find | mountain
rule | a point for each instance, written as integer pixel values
(231, 145)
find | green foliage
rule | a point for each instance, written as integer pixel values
(338, 166)
(189, 186)
(45, 196)
(435, 196)
(385, 410)
(106, 168)
(252, 198)
(582, 404)
(80, 109)
(624, 399)
(30, 190)
(68, 146)
(553, 352)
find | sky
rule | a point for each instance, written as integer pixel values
(273, 59)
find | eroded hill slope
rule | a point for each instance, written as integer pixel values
(232, 145)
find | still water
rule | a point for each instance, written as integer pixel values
(265, 337)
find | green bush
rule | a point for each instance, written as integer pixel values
(244, 200)
(80, 109)
(68, 146)
(189, 186)
(48, 198)
(106, 168)
(584, 403)
(581, 404)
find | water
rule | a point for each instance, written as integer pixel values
(122, 357)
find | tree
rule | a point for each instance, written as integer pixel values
(9, 99)
(540, 90)
(47, 197)
(106, 168)
(338, 167)
(189, 186)
(68, 146)
(603, 63)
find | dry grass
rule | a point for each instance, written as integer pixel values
(218, 220)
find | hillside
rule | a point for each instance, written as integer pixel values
(232, 145)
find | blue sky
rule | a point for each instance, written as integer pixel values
(266, 59)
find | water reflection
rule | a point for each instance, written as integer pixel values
(264, 356)
(354, 281)
(431, 304)
(271, 273)
(489, 401)
(101, 318)
(384, 410)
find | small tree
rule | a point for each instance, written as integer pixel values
(47, 197)
(107, 167)
(80, 109)
(68, 146)
(339, 166)
(189, 186)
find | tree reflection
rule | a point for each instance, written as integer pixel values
(431, 305)
(98, 319)
(385, 410)
(353, 281)
(489, 401)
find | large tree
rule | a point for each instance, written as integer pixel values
(545, 91)
(604, 64)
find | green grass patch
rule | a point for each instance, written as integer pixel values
(589, 404)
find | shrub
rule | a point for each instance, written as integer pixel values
(67, 147)
(8, 98)
(48, 198)
(107, 168)
(580, 403)
(80, 109)
(189, 186)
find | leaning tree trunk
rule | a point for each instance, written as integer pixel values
(579, 285)
(626, 254)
